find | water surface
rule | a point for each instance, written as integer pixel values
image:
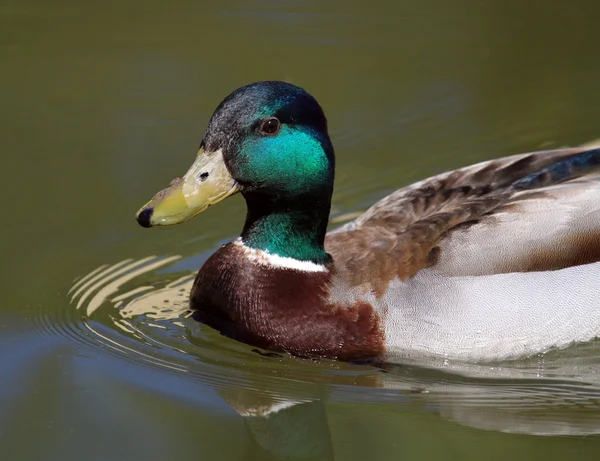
(104, 103)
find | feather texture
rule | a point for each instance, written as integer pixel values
(494, 261)
(494, 217)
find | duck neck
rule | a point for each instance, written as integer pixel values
(292, 229)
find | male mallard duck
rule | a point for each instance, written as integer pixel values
(493, 261)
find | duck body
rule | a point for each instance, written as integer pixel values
(494, 261)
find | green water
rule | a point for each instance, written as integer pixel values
(102, 103)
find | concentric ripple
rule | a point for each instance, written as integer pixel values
(136, 310)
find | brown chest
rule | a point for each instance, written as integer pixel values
(282, 309)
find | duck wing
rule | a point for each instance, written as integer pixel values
(530, 212)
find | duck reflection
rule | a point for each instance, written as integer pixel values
(283, 429)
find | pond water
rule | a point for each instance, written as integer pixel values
(104, 103)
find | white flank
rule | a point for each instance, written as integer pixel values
(485, 318)
(278, 262)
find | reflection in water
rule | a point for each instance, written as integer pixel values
(137, 309)
(284, 429)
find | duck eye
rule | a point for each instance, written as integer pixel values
(270, 126)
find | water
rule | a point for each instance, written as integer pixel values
(102, 104)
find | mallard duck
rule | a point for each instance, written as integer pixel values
(493, 261)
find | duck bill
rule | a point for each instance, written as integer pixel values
(207, 182)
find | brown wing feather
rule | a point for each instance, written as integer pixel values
(400, 235)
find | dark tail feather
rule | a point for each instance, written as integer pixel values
(569, 168)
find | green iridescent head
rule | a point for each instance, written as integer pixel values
(274, 140)
(269, 141)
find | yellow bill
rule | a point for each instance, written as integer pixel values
(207, 182)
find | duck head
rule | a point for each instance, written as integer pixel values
(269, 141)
